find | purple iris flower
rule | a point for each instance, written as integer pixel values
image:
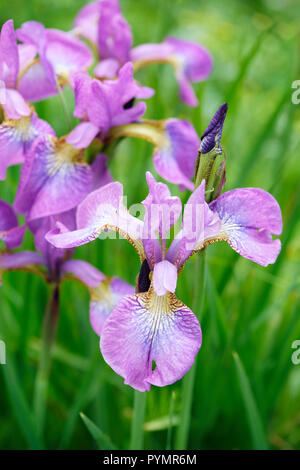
(103, 25)
(191, 63)
(55, 56)
(11, 99)
(103, 105)
(153, 327)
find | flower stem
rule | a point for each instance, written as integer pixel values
(189, 380)
(137, 433)
(41, 382)
(64, 104)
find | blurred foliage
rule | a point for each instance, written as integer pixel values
(247, 389)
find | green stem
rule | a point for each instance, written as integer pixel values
(183, 429)
(137, 433)
(41, 382)
(64, 104)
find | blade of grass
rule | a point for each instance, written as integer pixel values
(137, 433)
(20, 406)
(103, 441)
(254, 419)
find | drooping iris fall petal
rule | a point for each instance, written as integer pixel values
(150, 340)
(16, 138)
(54, 179)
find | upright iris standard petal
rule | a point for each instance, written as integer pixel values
(105, 298)
(162, 209)
(9, 57)
(102, 210)
(114, 33)
(54, 179)
(10, 231)
(200, 223)
(86, 21)
(150, 340)
(249, 217)
(16, 138)
(191, 62)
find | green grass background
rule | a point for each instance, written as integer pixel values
(247, 390)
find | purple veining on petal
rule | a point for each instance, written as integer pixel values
(144, 329)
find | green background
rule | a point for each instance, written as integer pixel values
(247, 390)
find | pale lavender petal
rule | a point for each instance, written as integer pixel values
(27, 52)
(54, 179)
(66, 53)
(145, 330)
(100, 211)
(101, 173)
(9, 55)
(196, 61)
(10, 233)
(16, 138)
(86, 21)
(175, 157)
(249, 216)
(162, 209)
(84, 271)
(164, 277)
(107, 68)
(105, 298)
(82, 135)
(14, 104)
(21, 259)
(200, 224)
(114, 33)
(35, 84)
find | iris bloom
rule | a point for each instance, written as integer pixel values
(102, 105)
(151, 337)
(53, 56)
(108, 112)
(102, 23)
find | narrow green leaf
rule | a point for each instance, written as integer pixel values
(103, 441)
(20, 406)
(254, 419)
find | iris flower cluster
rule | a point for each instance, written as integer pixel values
(67, 196)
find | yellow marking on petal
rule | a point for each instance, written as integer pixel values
(151, 131)
(65, 155)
